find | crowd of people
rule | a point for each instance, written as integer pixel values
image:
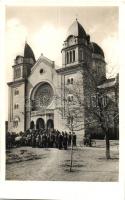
(41, 138)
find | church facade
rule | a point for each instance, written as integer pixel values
(37, 84)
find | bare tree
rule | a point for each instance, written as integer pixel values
(105, 109)
(90, 106)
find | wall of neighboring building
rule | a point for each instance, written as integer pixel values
(16, 108)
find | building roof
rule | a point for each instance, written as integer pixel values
(76, 30)
(15, 82)
(70, 69)
(28, 52)
(108, 83)
(97, 49)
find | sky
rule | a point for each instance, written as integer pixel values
(45, 29)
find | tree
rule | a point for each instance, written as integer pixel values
(87, 98)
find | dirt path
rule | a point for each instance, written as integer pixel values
(41, 169)
(89, 164)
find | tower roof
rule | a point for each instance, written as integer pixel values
(76, 30)
(28, 52)
(97, 49)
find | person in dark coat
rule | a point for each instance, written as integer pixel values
(33, 138)
(69, 139)
(52, 140)
(60, 141)
(44, 140)
(74, 139)
(48, 140)
(8, 140)
(56, 139)
(65, 141)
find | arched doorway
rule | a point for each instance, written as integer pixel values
(32, 125)
(50, 124)
(40, 124)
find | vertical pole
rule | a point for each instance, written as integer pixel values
(71, 154)
(71, 159)
(107, 145)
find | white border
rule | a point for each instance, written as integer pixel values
(63, 190)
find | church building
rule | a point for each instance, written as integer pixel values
(37, 84)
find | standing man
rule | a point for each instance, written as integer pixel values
(69, 139)
(74, 139)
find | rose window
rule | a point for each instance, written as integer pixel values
(42, 97)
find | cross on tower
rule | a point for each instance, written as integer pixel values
(77, 17)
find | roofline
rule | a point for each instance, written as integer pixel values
(101, 58)
(66, 69)
(39, 60)
(23, 63)
(75, 45)
(16, 82)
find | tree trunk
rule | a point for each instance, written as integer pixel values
(107, 146)
(71, 153)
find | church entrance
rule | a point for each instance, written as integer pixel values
(50, 124)
(40, 124)
(32, 125)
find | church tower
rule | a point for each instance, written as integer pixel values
(76, 47)
(17, 89)
(76, 55)
(83, 68)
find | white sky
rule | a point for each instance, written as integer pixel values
(44, 28)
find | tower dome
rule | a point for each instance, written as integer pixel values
(76, 30)
(97, 49)
(28, 52)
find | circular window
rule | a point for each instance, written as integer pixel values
(41, 71)
(43, 96)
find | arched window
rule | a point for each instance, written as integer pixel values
(68, 81)
(16, 122)
(82, 55)
(40, 124)
(16, 106)
(32, 125)
(16, 92)
(73, 55)
(17, 72)
(104, 101)
(70, 56)
(50, 124)
(93, 101)
(71, 80)
(68, 120)
(69, 99)
(67, 57)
